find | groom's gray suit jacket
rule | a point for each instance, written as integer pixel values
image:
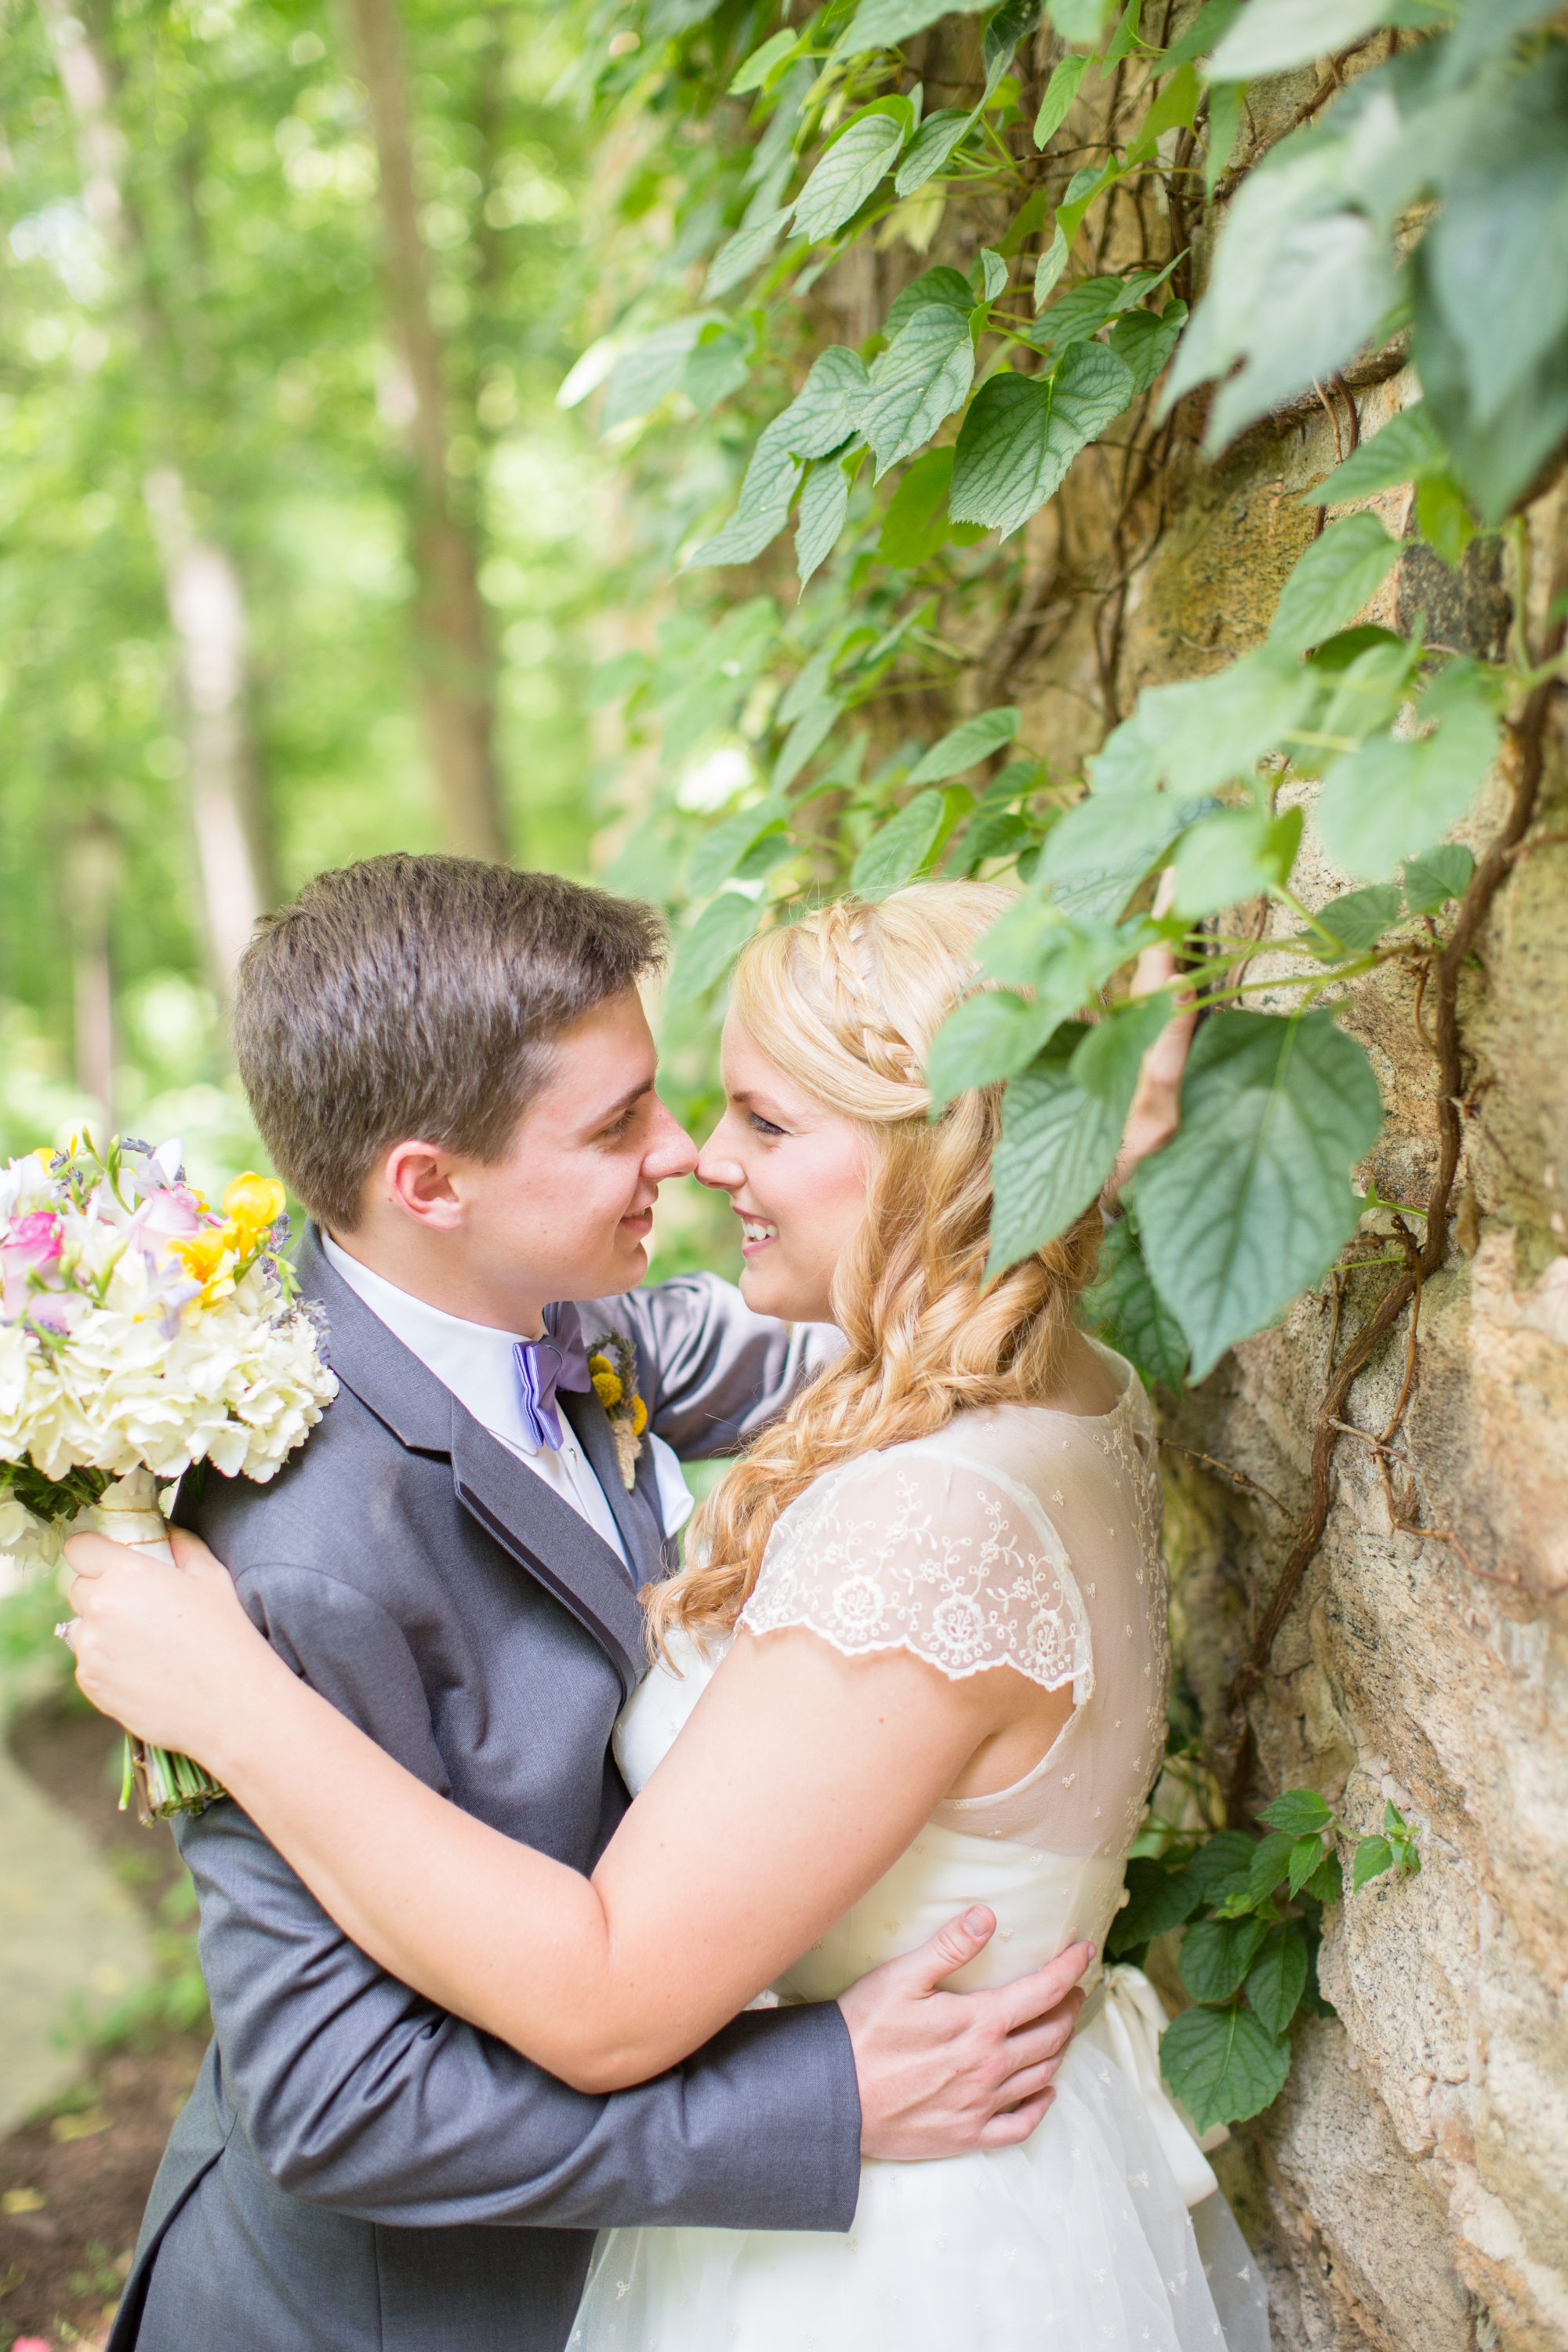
(357, 2171)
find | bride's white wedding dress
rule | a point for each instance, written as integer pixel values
(1030, 1536)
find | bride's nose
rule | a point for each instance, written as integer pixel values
(716, 1163)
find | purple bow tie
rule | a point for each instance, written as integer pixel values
(558, 1361)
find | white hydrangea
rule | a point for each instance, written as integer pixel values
(142, 1330)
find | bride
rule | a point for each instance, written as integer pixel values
(917, 1660)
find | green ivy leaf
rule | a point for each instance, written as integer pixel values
(1220, 1863)
(1022, 433)
(939, 285)
(858, 158)
(965, 746)
(916, 524)
(1359, 919)
(1332, 579)
(1299, 1810)
(1144, 339)
(760, 62)
(1270, 1864)
(827, 409)
(1222, 2064)
(1129, 1315)
(1443, 517)
(1095, 858)
(1107, 1061)
(1394, 797)
(1058, 1146)
(883, 23)
(1200, 35)
(930, 148)
(1060, 91)
(1306, 1855)
(988, 1037)
(767, 494)
(713, 944)
(1407, 448)
(1373, 1855)
(824, 503)
(994, 274)
(920, 378)
(1277, 1978)
(1216, 1955)
(1328, 1881)
(642, 378)
(804, 739)
(1444, 873)
(1157, 1900)
(745, 251)
(1049, 268)
(719, 852)
(1078, 20)
(1224, 131)
(1272, 35)
(1249, 1203)
(1233, 856)
(900, 849)
(1211, 730)
(1078, 314)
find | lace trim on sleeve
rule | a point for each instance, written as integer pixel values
(928, 1551)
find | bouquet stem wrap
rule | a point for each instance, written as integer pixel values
(164, 1785)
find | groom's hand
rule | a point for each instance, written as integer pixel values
(942, 2074)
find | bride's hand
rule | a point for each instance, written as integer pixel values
(1155, 1113)
(168, 1652)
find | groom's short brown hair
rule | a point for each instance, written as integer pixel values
(418, 997)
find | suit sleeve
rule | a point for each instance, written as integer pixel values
(359, 2095)
(719, 1371)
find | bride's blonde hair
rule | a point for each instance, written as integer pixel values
(848, 1001)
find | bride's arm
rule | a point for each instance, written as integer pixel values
(799, 1778)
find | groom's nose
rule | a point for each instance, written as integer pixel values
(670, 1151)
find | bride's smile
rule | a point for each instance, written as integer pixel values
(796, 1176)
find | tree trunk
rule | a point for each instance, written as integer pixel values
(457, 661)
(205, 599)
(93, 874)
(207, 605)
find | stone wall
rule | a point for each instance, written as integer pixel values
(1410, 2190)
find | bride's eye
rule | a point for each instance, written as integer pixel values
(763, 1126)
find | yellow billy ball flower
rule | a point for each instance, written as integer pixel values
(639, 1416)
(607, 1386)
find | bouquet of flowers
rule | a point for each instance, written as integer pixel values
(142, 1331)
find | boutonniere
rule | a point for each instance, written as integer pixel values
(612, 1369)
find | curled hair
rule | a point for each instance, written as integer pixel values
(848, 1001)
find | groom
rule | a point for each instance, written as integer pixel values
(450, 1063)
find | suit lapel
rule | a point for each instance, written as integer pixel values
(523, 1515)
(546, 1536)
(641, 1526)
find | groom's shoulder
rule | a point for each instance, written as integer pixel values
(353, 1503)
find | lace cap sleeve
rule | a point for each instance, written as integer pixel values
(925, 1550)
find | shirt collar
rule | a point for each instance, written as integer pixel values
(473, 1359)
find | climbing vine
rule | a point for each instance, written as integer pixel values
(1137, 269)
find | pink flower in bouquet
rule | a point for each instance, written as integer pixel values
(173, 1213)
(32, 1246)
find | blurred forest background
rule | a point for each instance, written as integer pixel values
(301, 561)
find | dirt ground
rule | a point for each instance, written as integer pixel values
(73, 2180)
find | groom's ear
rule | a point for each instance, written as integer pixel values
(417, 1180)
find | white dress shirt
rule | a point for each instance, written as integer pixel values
(476, 1364)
